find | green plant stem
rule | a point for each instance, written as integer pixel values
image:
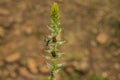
(53, 43)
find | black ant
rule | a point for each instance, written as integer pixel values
(53, 54)
(47, 42)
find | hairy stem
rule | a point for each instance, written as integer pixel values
(53, 42)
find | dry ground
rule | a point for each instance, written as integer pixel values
(91, 31)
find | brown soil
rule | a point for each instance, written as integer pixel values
(91, 31)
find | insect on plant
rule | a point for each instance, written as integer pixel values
(53, 42)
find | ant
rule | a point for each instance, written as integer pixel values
(47, 42)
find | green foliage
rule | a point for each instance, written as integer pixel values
(97, 77)
(75, 76)
(53, 42)
(43, 78)
(55, 30)
(55, 15)
(71, 76)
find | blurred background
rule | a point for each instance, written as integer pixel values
(91, 31)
